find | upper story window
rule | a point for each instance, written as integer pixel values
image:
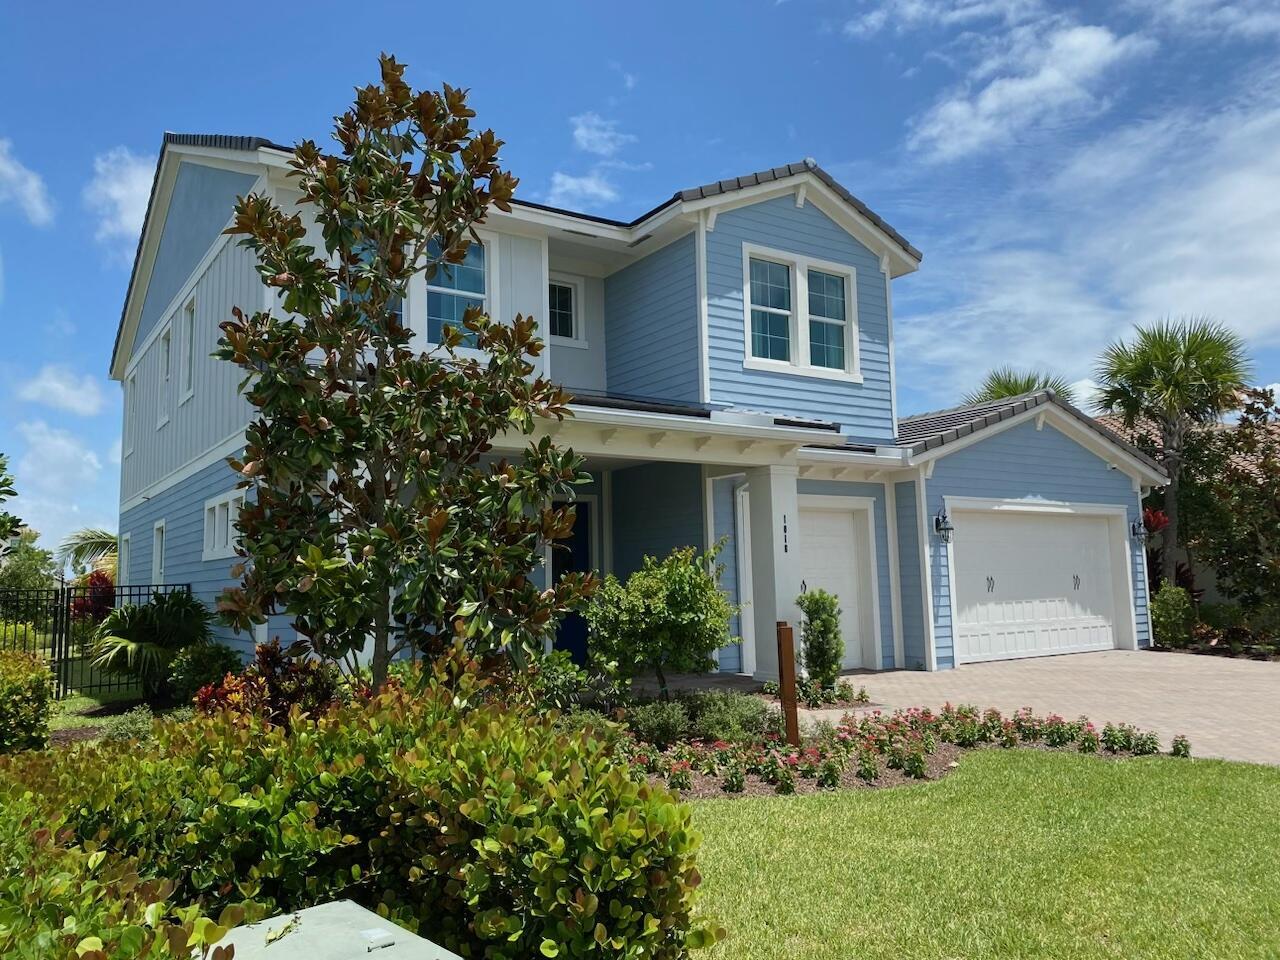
(453, 288)
(188, 351)
(220, 515)
(166, 371)
(130, 398)
(801, 315)
(564, 310)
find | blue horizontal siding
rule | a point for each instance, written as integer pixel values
(181, 507)
(651, 329)
(884, 592)
(1023, 463)
(864, 410)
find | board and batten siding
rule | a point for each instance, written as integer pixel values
(884, 591)
(201, 205)
(216, 409)
(657, 507)
(651, 309)
(1023, 463)
(864, 410)
(909, 580)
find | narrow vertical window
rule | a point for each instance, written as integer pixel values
(157, 553)
(130, 400)
(770, 310)
(166, 370)
(189, 345)
(827, 320)
(562, 309)
(122, 562)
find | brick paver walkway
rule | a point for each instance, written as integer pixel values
(1228, 708)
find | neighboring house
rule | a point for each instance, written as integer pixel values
(731, 354)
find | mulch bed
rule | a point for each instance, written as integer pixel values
(70, 735)
(1206, 650)
(938, 764)
(89, 731)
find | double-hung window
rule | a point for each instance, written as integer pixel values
(452, 289)
(166, 374)
(564, 310)
(801, 315)
(220, 516)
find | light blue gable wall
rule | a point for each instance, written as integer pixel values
(656, 508)
(724, 525)
(651, 325)
(884, 593)
(181, 507)
(864, 410)
(909, 580)
(1024, 463)
(202, 203)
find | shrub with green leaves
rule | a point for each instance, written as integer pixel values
(1171, 616)
(26, 701)
(821, 641)
(200, 666)
(141, 640)
(728, 717)
(660, 723)
(480, 824)
(138, 724)
(669, 617)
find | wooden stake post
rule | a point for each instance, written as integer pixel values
(787, 682)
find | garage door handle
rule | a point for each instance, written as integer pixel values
(991, 584)
(1075, 579)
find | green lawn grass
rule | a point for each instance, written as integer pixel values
(1016, 854)
(69, 711)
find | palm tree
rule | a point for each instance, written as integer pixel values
(1004, 382)
(1179, 374)
(91, 547)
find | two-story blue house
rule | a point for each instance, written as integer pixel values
(731, 354)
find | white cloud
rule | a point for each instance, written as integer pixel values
(1250, 19)
(902, 15)
(23, 187)
(117, 195)
(568, 190)
(58, 386)
(114, 452)
(1170, 215)
(594, 134)
(1039, 77)
(60, 484)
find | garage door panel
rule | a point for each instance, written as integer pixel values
(1032, 585)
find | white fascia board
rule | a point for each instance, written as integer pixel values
(886, 458)
(1097, 444)
(605, 416)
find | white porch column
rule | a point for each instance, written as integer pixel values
(775, 559)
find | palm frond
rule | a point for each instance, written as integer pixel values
(86, 547)
(1005, 382)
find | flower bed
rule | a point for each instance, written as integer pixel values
(813, 695)
(877, 750)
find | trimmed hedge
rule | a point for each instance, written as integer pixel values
(26, 701)
(486, 827)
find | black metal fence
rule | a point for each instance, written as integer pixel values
(60, 625)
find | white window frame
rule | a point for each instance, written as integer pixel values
(221, 547)
(123, 549)
(189, 351)
(159, 539)
(166, 376)
(416, 308)
(577, 285)
(130, 401)
(799, 364)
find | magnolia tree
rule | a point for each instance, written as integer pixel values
(9, 524)
(379, 519)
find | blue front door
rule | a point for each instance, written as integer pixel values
(573, 555)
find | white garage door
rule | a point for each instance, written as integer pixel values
(1031, 584)
(829, 542)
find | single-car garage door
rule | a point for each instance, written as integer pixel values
(1032, 584)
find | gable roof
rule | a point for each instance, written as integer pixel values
(925, 432)
(709, 191)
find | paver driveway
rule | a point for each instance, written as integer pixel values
(1228, 708)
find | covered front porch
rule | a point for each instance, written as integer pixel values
(789, 510)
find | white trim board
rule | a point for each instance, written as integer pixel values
(220, 451)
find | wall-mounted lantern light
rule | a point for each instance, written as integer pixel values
(1138, 530)
(943, 526)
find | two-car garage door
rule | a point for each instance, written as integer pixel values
(1029, 584)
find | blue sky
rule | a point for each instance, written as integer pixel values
(1067, 170)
